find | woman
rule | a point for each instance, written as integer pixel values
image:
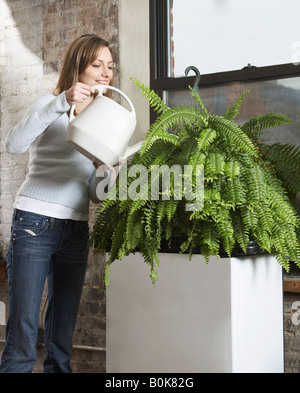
(50, 221)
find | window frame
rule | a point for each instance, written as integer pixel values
(159, 60)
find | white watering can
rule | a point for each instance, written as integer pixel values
(102, 131)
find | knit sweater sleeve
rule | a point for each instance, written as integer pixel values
(44, 112)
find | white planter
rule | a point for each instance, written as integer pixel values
(226, 316)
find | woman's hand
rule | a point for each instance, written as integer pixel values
(78, 93)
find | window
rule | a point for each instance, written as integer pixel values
(225, 35)
(274, 86)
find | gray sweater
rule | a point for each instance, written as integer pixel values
(57, 173)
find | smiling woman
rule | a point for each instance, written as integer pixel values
(51, 215)
(81, 56)
(100, 72)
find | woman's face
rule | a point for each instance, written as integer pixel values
(100, 72)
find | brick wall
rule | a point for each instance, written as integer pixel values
(292, 323)
(34, 35)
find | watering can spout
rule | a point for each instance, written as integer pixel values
(102, 131)
(131, 150)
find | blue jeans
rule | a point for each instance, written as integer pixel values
(43, 247)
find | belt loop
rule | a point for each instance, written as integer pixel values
(52, 222)
(15, 214)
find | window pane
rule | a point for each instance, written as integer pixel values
(279, 96)
(223, 35)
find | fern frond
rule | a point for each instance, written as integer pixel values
(158, 154)
(149, 250)
(286, 161)
(226, 232)
(134, 230)
(230, 130)
(288, 153)
(107, 273)
(158, 135)
(289, 177)
(291, 242)
(240, 232)
(265, 217)
(232, 169)
(198, 100)
(235, 192)
(161, 210)
(108, 203)
(167, 120)
(257, 124)
(262, 238)
(284, 210)
(154, 100)
(171, 209)
(211, 195)
(256, 184)
(283, 261)
(224, 227)
(206, 137)
(210, 238)
(117, 240)
(148, 218)
(214, 165)
(249, 217)
(192, 233)
(198, 158)
(233, 111)
(136, 205)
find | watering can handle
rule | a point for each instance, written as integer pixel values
(100, 89)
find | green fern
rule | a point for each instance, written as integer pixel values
(249, 189)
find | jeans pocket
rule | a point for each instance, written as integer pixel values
(28, 224)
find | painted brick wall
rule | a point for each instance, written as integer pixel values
(34, 35)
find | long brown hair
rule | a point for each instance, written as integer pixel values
(81, 53)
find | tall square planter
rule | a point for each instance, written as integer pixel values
(226, 316)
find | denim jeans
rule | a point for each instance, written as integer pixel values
(43, 247)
